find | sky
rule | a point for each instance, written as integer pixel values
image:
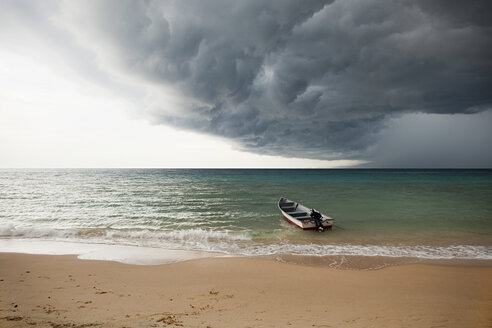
(352, 83)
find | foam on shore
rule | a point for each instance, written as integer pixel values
(120, 253)
(239, 243)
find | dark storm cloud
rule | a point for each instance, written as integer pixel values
(307, 78)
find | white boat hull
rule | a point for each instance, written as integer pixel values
(294, 214)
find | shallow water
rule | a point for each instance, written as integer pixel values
(425, 214)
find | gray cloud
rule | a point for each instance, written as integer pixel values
(29, 29)
(317, 79)
(449, 141)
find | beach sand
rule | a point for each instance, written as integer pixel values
(63, 291)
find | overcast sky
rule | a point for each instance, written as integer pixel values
(222, 83)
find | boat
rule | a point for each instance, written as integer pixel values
(303, 217)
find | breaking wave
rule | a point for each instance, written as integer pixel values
(237, 243)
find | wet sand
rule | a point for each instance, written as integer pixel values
(63, 291)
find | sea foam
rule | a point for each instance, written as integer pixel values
(236, 243)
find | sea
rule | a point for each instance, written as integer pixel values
(382, 216)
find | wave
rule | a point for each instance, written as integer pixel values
(237, 243)
(422, 251)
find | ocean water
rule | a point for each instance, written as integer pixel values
(417, 214)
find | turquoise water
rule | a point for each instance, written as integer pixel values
(400, 213)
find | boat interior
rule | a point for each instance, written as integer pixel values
(291, 209)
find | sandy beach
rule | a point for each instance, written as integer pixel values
(63, 291)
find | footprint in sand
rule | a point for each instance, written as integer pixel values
(13, 318)
(206, 307)
(49, 309)
(170, 320)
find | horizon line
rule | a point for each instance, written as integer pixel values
(246, 168)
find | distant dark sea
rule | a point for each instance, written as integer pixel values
(418, 214)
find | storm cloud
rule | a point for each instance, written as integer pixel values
(313, 79)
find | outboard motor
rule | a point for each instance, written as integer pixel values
(316, 216)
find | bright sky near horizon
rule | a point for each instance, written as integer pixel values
(52, 119)
(130, 84)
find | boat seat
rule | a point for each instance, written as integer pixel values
(298, 214)
(287, 204)
(302, 218)
(288, 209)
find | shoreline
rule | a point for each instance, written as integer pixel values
(127, 254)
(61, 290)
(145, 255)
